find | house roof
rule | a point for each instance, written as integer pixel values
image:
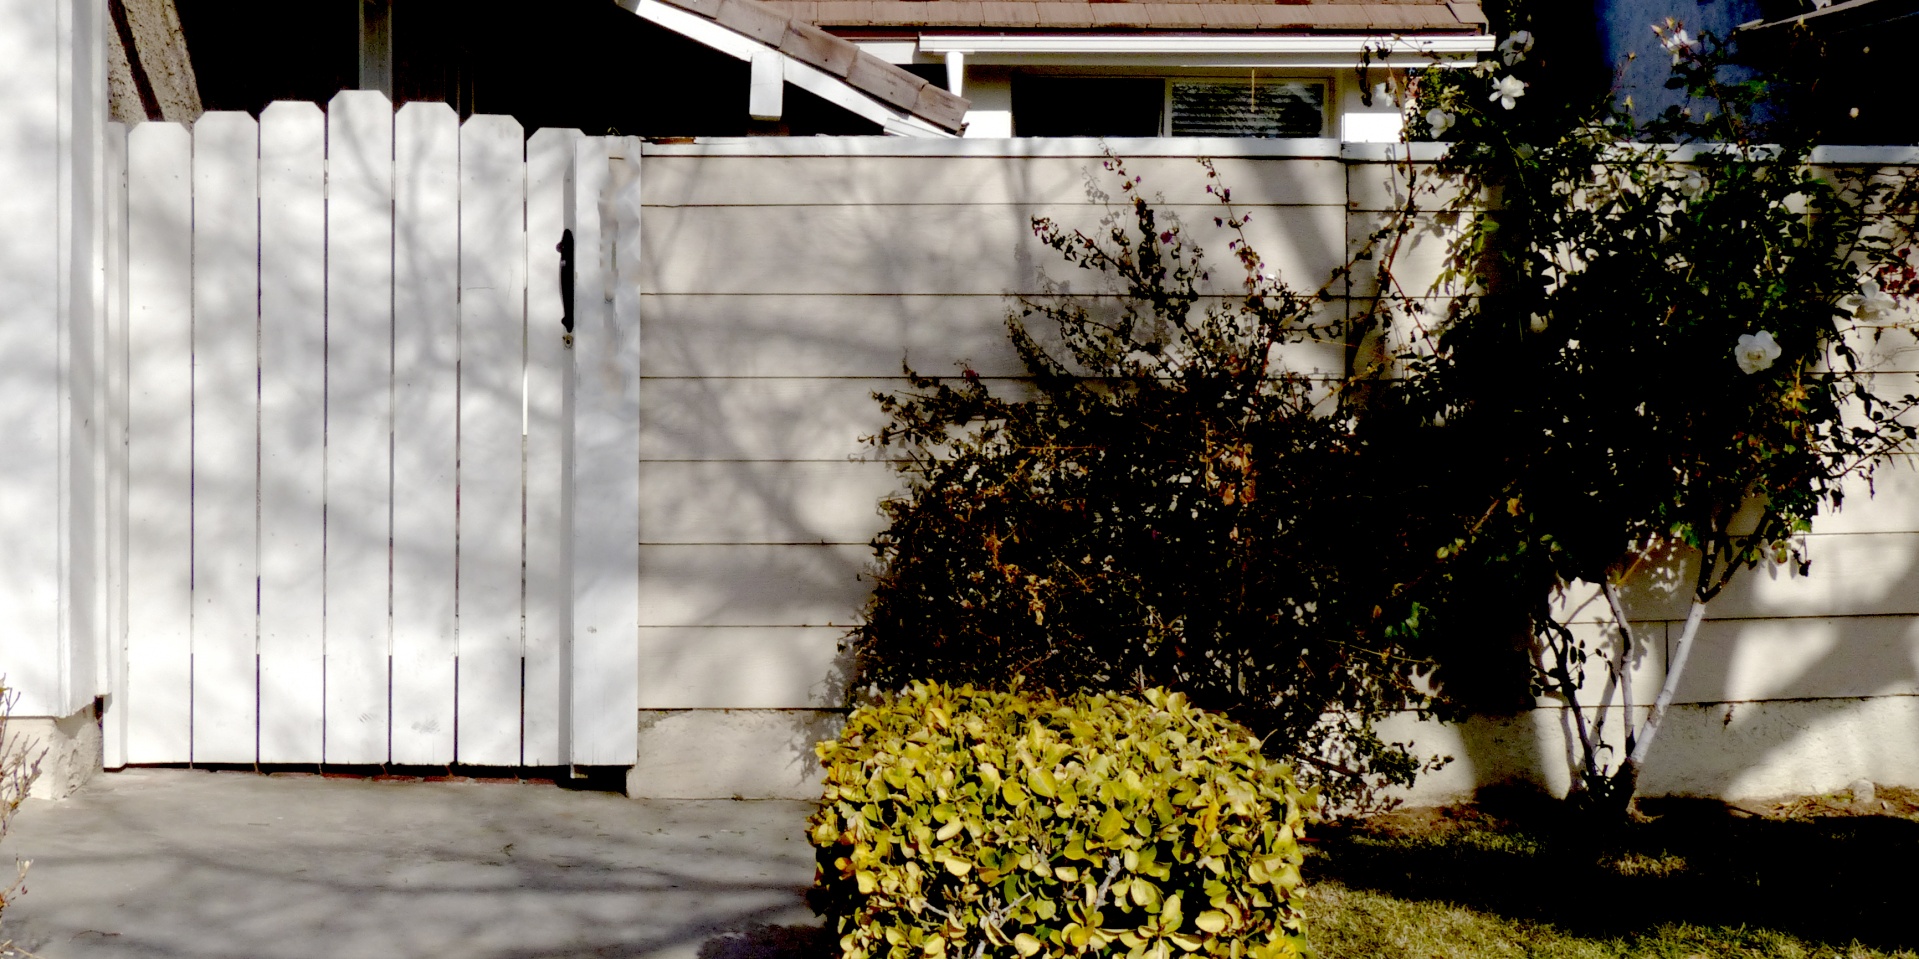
(1835, 18)
(1292, 16)
(775, 28)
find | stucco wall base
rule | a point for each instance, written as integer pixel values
(730, 753)
(1718, 750)
(1731, 751)
(69, 750)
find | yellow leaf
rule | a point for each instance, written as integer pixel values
(1025, 944)
(1169, 913)
(1212, 920)
(958, 867)
(949, 830)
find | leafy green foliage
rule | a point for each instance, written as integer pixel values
(960, 822)
(1659, 347)
(1166, 502)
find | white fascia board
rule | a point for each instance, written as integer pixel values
(698, 29)
(1216, 147)
(1090, 148)
(803, 75)
(1203, 50)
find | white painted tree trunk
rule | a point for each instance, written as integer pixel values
(1675, 669)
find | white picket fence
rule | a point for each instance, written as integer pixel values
(348, 534)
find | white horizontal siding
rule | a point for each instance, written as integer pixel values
(742, 667)
(762, 501)
(751, 584)
(835, 335)
(928, 181)
(785, 284)
(951, 249)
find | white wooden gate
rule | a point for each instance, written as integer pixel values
(349, 513)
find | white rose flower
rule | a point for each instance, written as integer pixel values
(1439, 120)
(1871, 302)
(1506, 90)
(1677, 44)
(1756, 351)
(1514, 48)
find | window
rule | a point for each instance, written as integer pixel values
(1248, 106)
(1087, 106)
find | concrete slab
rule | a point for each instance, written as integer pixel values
(179, 863)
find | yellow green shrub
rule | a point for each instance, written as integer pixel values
(962, 823)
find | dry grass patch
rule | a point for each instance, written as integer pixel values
(1804, 878)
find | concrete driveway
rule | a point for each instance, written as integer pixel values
(186, 863)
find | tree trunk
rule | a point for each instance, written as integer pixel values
(1625, 782)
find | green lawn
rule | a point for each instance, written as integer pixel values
(1692, 879)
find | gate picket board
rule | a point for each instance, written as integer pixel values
(347, 515)
(426, 341)
(292, 430)
(159, 444)
(225, 419)
(359, 423)
(548, 154)
(492, 376)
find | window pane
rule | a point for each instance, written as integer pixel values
(1266, 108)
(1087, 106)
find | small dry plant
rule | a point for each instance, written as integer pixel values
(18, 768)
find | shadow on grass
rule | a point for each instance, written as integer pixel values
(1834, 880)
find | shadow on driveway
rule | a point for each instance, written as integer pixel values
(186, 863)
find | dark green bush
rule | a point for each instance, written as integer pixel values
(963, 822)
(1168, 500)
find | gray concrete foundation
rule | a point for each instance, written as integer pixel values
(186, 863)
(67, 748)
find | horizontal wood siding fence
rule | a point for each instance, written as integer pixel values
(784, 281)
(345, 531)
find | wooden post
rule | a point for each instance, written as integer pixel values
(602, 484)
